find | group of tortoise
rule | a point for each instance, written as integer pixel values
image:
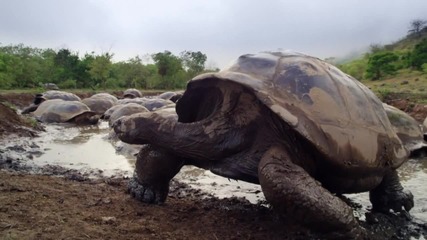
(60, 107)
(296, 125)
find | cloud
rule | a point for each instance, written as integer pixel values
(222, 29)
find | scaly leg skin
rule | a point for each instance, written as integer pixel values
(294, 193)
(153, 171)
(390, 195)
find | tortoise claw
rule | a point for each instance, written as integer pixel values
(145, 193)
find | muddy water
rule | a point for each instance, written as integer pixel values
(89, 148)
(82, 148)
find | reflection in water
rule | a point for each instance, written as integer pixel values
(82, 148)
(414, 178)
(87, 147)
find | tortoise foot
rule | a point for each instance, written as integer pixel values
(146, 193)
(398, 201)
(390, 195)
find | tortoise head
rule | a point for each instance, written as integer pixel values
(215, 119)
(86, 118)
(39, 99)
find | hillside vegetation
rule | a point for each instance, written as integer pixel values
(395, 69)
(24, 67)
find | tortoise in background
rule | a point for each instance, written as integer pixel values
(408, 130)
(48, 95)
(100, 102)
(132, 93)
(60, 111)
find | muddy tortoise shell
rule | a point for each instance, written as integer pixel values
(337, 114)
(406, 127)
(66, 96)
(60, 111)
(132, 93)
(99, 104)
(105, 96)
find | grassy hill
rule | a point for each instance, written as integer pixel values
(406, 81)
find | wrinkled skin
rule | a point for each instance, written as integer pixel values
(230, 132)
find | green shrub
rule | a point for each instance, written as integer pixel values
(383, 93)
(424, 67)
(68, 84)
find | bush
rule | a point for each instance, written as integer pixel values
(381, 64)
(67, 84)
(112, 83)
(424, 67)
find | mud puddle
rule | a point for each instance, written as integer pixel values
(82, 148)
(91, 147)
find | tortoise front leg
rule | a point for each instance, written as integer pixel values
(294, 193)
(153, 171)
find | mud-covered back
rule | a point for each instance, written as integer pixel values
(125, 110)
(105, 96)
(132, 93)
(66, 96)
(98, 104)
(334, 111)
(59, 111)
(406, 127)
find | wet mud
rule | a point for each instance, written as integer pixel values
(88, 156)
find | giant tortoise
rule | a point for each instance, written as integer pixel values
(132, 93)
(173, 96)
(48, 95)
(100, 102)
(123, 110)
(295, 124)
(60, 111)
(408, 130)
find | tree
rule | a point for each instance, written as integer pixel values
(168, 65)
(194, 62)
(66, 65)
(132, 73)
(6, 77)
(100, 69)
(375, 47)
(416, 26)
(418, 57)
(355, 68)
(381, 64)
(83, 78)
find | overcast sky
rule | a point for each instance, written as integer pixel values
(222, 29)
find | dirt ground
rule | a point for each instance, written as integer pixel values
(59, 203)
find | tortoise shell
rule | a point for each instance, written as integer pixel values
(60, 111)
(341, 117)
